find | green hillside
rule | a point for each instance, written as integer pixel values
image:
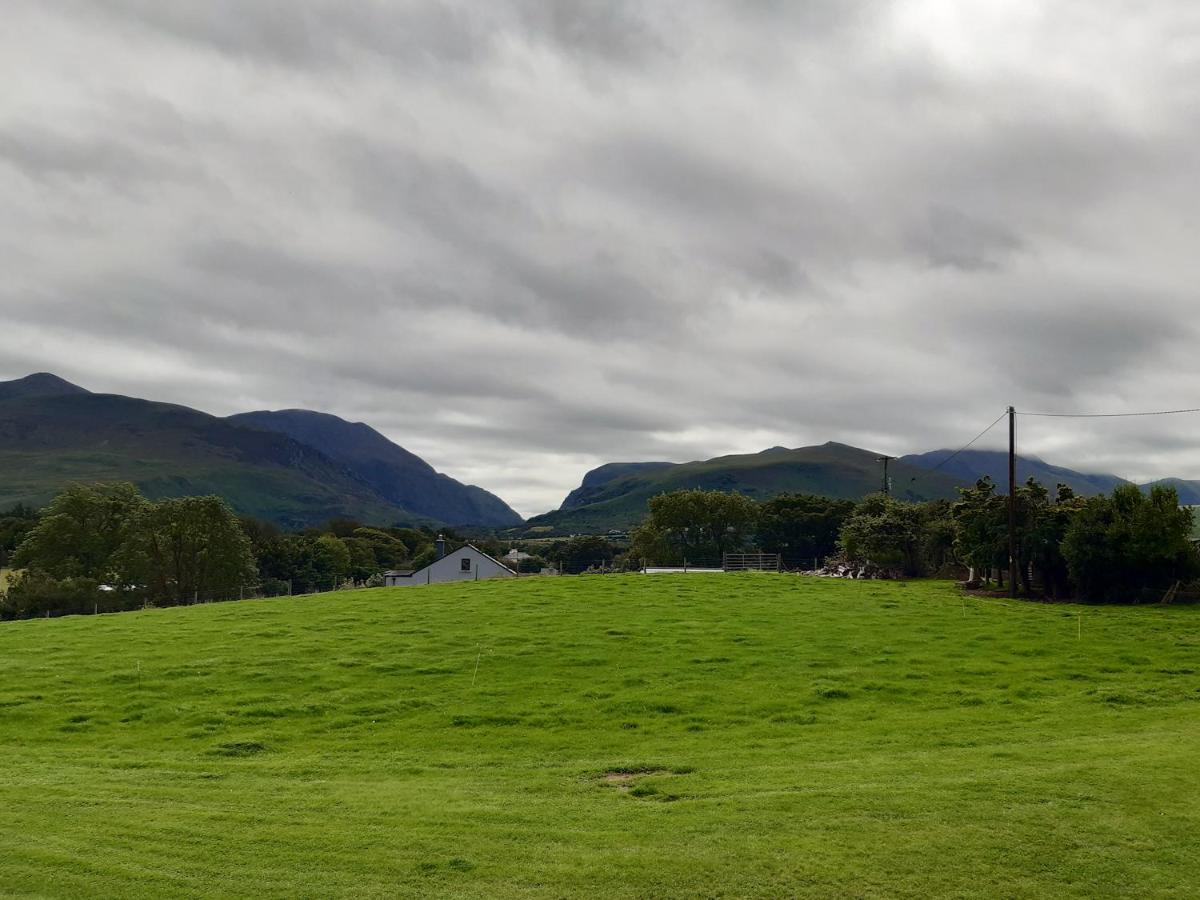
(615, 496)
(48, 440)
(624, 736)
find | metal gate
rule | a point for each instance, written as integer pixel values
(751, 562)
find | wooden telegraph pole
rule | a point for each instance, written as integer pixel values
(1012, 502)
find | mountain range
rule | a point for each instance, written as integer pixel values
(613, 496)
(299, 468)
(294, 468)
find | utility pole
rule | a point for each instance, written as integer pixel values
(887, 484)
(1012, 502)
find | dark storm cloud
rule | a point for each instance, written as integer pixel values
(527, 237)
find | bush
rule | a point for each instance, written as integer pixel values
(35, 593)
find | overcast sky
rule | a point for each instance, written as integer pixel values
(525, 238)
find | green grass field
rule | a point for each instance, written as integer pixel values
(623, 736)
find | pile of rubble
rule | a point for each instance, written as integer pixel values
(854, 570)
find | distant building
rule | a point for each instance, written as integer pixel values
(467, 563)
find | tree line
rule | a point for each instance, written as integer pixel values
(100, 548)
(1122, 547)
(105, 547)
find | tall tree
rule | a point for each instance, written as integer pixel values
(802, 527)
(886, 532)
(695, 525)
(1116, 547)
(81, 533)
(192, 546)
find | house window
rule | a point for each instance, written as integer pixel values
(466, 563)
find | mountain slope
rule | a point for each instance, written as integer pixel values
(616, 497)
(396, 474)
(48, 439)
(971, 465)
(590, 489)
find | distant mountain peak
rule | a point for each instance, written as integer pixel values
(39, 384)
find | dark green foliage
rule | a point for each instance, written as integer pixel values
(886, 532)
(190, 548)
(581, 553)
(1120, 546)
(981, 516)
(801, 527)
(15, 523)
(696, 526)
(83, 532)
(105, 547)
(35, 593)
(532, 565)
(1042, 525)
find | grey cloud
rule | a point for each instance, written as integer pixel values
(528, 237)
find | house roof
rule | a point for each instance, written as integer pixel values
(395, 573)
(486, 556)
(463, 547)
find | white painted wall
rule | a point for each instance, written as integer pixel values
(464, 564)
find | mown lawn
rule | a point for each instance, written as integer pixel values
(624, 736)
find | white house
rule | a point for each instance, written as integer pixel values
(467, 563)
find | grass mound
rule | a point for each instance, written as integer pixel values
(624, 736)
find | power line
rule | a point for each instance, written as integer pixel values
(1157, 412)
(967, 444)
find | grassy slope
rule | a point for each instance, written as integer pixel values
(818, 738)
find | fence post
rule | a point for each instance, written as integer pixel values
(685, 564)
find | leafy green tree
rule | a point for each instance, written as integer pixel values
(802, 527)
(388, 550)
(189, 547)
(581, 552)
(694, 525)
(982, 527)
(341, 527)
(81, 531)
(1116, 547)
(1042, 525)
(332, 557)
(938, 532)
(37, 593)
(885, 532)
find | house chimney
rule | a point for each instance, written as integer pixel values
(440, 543)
